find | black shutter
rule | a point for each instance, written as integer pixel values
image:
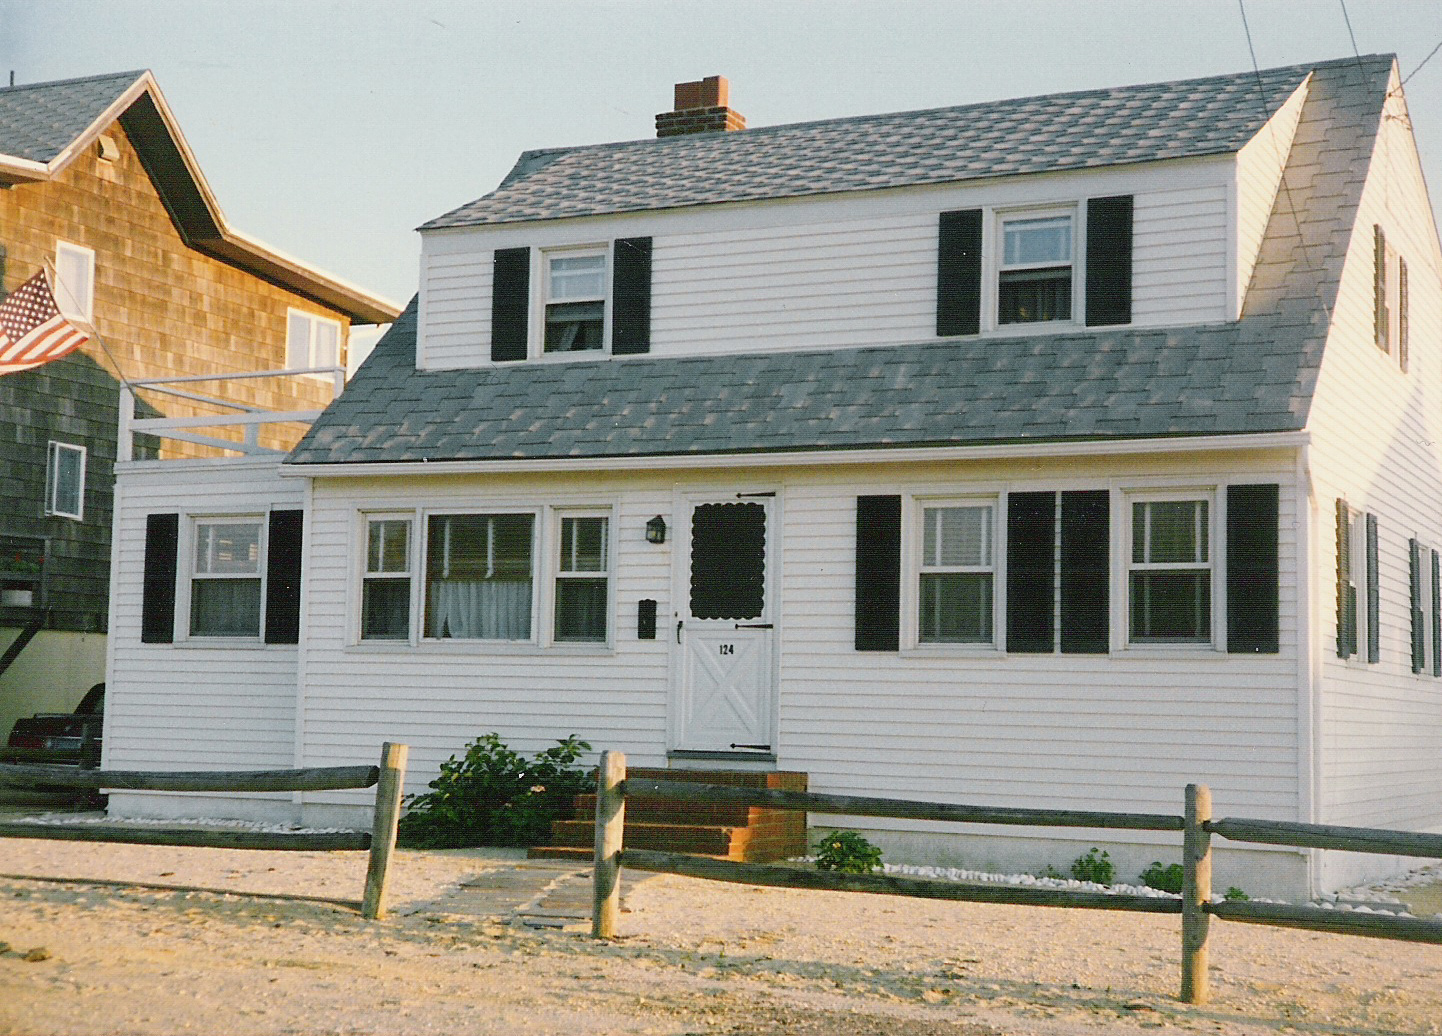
(282, 577)
(157, 601)
(1379, 287)
(1436, 614)
(1109, 260)
(1085, 572)
(1402, 313)
(1374, 610)
(958, 273)
(1030, 571)
(1346, 592)
(1414, 570)
(631, 296)
(878, 573)
(510, 303)
(1252, 569)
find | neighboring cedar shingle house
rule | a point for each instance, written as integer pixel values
(97, 181)
(994, 454)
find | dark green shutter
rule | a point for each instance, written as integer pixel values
(1346, 592)
(958, 273)
(1402, 313)
(1374, 610)
(1109, 261)
(1419, 632)
(1436, 614)
(282, 577)
(1379, 287)
(631, 296)
(878, 573)
(1030, 572)
(1253, 569)
(1085, 572)
(510, 303)
(157, 601)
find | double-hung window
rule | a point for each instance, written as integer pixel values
(386, 584)
(957, 576)
(479, 583)
(582, 583)
(311, 342)
(1034, 272)
(65, 481)
(1169, 577)
(575, 301)
(225, 585)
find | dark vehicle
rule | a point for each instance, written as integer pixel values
(66, 738)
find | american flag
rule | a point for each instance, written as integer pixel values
(32, 329)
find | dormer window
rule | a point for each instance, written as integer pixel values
(1034, 275)
(575, 301)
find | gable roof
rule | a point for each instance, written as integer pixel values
(1254, 375)
(1083, 130)
(45, 126)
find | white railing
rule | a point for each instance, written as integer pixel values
(244, 415)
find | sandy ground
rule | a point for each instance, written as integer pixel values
(693, 957)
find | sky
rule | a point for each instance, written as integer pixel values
(330, 130)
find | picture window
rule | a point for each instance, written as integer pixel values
(479, 583)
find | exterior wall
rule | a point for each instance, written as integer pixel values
(1375, 433)
(195, 704)
(839, 272)
(1259, 172)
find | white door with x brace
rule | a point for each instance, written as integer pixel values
(724, 695)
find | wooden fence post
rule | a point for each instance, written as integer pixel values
(610, 824)
(1196, 893)
(383, 834)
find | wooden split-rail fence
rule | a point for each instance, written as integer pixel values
(1197, 826)
(388, 779)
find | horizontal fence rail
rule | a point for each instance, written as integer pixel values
(1196, 825)
(388, 779)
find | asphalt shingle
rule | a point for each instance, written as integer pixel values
(40, 120)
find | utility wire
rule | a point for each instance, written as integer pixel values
(1430, 54)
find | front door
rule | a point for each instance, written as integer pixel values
(724, 698)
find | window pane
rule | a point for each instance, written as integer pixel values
(66, 480)
(1045, 240)
(479, 576)
(297, 342)
(225, 607)
(578, 277)
(389, 547)
(386, 609)
(227, 548)
(74, 270)
(581, 609)
(327, 345)
(728, 561)
(583, 544)
(956, 608)
(575, 326)
(1171, 607)
(1031, 296)
(957, 536)
(1172, 531)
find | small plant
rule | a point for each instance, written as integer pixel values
(847, 852)
(1051, 872)
(494, 796)
(1165, 879)
(1235, 895)
(1095, 866)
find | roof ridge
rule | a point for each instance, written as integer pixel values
(18, 87)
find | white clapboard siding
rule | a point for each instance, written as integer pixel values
(1259, 172)
(1376, 434)
(839, 272)
(193, 705)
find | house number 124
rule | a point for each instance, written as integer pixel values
(726, 649)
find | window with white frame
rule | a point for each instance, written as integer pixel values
(479, 583)
(582, 604)
(1034, 268)
(75, 280)
(1169, 570)
(386, 582)
(575, 301)
(65, 481)
(956, 580)
(226, 576)
(311, 341)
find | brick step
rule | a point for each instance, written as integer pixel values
(641, 810)
(671, 838)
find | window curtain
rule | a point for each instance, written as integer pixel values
(473, 609)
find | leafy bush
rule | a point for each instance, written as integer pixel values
(1095, 866)
(494, 796)
(847, 852)
(1165, 879)
(1235, 895)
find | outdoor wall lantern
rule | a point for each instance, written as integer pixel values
(656, 530)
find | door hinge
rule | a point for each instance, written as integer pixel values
(753, 748)
(755, 626)
(743, 496)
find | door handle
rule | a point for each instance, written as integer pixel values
(679, 624)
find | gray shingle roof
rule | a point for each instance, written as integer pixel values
(1253, 375)
(1081, 130)
(39, 120)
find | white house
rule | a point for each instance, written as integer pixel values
(1054, 452)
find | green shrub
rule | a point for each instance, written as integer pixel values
(1165, 879)
(1235, 895)
(494, 796)
(847, 852)
(1095, 866)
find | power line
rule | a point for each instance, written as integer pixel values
(1430, 55)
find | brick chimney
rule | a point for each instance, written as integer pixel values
(701, 107)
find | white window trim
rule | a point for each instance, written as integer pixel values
(188, 576)
(313, 321)
(538, 538)
(553, 574)
(361, 553)
(1357, 573)
(913, 539)
(82, 309)
(1122, 568)
(541, 297)
(52, 481)
(993, 252)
